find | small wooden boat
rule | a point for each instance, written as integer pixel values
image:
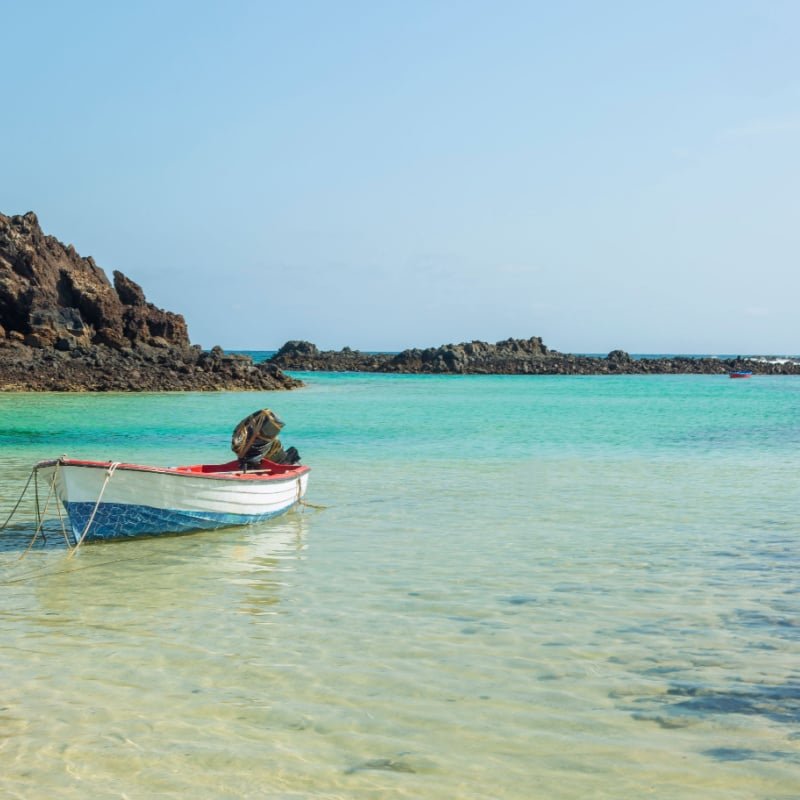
(741, 374)
(110, 500)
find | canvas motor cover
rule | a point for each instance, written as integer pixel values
(256, 436)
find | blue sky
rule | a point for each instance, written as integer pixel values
(396, 174)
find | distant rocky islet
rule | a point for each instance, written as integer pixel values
(65, 327)
(515, 357)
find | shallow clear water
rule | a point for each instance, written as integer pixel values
(549, 587)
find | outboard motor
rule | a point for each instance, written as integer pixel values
(256, 438)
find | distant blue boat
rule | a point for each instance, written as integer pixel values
(741, 374)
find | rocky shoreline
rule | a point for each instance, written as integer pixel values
(103, 369)
(65, 327)
(513, 357)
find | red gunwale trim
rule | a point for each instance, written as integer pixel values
(220, 472)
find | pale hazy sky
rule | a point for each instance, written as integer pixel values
(393, 174)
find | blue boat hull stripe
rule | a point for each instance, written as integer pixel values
(118, 520)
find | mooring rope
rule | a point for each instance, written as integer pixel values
(306, 504)
(299, 499)
(63, 526)
(14, 510)
(41, 514)
(109, 473)
(58, 505)
(36, 492)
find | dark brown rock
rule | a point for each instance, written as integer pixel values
(64, 327)
(48, 291)
(102, 368)
(130, 293)
(511, 357)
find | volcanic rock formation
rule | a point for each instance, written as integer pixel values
(65, 327)
(513, 357)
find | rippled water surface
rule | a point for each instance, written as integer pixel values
(518, 588)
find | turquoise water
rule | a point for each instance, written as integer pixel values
(549, 587)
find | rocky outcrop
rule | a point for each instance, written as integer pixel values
(65, 327)
(507, 357)
(301, 355)
(144, 369)
(512, 357)
(49, 293)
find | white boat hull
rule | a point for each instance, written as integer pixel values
(108, 501)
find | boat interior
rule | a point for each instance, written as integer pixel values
(234, 468)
